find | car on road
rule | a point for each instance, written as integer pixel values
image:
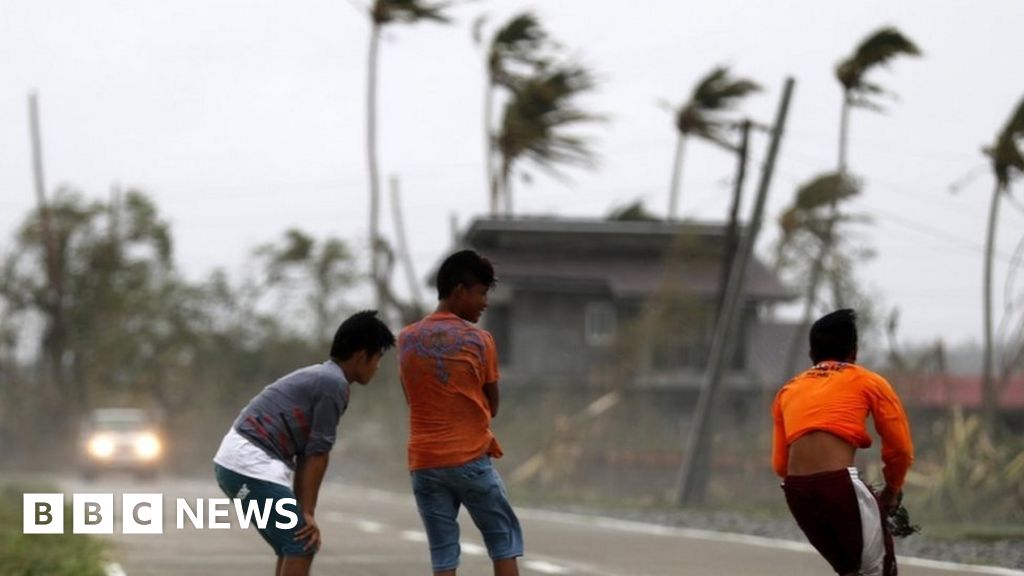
(121, 439)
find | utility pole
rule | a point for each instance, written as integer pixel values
(694, 473)
(732, 232)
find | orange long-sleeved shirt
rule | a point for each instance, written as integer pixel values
(837, 397)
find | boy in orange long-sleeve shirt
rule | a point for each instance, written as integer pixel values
(819, 419)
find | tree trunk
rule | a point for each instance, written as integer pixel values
(989, 407)
(844, 131)
(492, 175)
(838, 300)
(677, 173)
(506, 185)
(56, 338)
(371, 159)
(810, 299)
(405, 255)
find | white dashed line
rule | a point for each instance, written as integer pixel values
(546, 567)
(473, 549)
(413, 536)
(369, 526)
(114, 569)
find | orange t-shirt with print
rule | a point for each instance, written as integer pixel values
(837, 397)
(444, 363)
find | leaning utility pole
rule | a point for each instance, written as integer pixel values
(694, 473)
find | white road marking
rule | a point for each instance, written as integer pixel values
(114, 569)
(413, 536)
(369, 526)
(546, 567)
(473, 549)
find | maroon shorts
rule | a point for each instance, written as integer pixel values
(843, 520)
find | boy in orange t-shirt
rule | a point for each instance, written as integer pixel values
(819, 421)
(449, 371)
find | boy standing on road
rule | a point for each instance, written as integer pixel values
(449, 371)
(819, 424)
(278, 446)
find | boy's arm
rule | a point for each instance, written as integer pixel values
(490, 369)
(312, 464)
(493, 397)
(894, 429)
(309, 474)
(780, 450)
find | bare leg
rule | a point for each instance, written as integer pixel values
(445, 573)
(506, 567)
(296, 566)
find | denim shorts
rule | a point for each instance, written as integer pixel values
(247, 488)
(476, 485)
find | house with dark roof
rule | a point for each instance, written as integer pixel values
(590, 303)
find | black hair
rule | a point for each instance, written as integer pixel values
(834, 336)
(465, 267)
(361, 331)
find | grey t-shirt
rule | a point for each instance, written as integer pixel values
(298, 414)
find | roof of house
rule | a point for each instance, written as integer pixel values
(945, 390)
(625, 258)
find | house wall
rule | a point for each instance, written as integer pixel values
(542, 340)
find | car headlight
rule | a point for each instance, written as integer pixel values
(101, 447)
(147, 446)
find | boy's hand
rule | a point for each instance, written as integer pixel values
(311, 531)
(890, 499)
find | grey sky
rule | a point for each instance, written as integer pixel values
(245, 118)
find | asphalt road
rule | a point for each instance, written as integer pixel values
(374, 533)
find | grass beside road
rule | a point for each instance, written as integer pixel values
(44, 554)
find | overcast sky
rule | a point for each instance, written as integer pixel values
(245, 118)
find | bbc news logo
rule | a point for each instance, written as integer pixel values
(144, 513)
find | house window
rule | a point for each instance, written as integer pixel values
(599, 324)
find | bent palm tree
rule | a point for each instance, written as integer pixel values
(874, 51)
(535, 120)
(519, 44)
(714, 94)
(809, 227)
(384, 13)
(1007, 163)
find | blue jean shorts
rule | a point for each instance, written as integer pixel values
(247, 488)
(476, 485)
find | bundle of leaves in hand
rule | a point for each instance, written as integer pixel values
(899, 520)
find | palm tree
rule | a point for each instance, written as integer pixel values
(384, 13)
(874, 51)
(809, 227)
(515, 48)
(535, 119)
(1007, 163)
(714, 94)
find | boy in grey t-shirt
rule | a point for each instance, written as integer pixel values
(278, 446)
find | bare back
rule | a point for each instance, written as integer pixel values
(819, 451)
